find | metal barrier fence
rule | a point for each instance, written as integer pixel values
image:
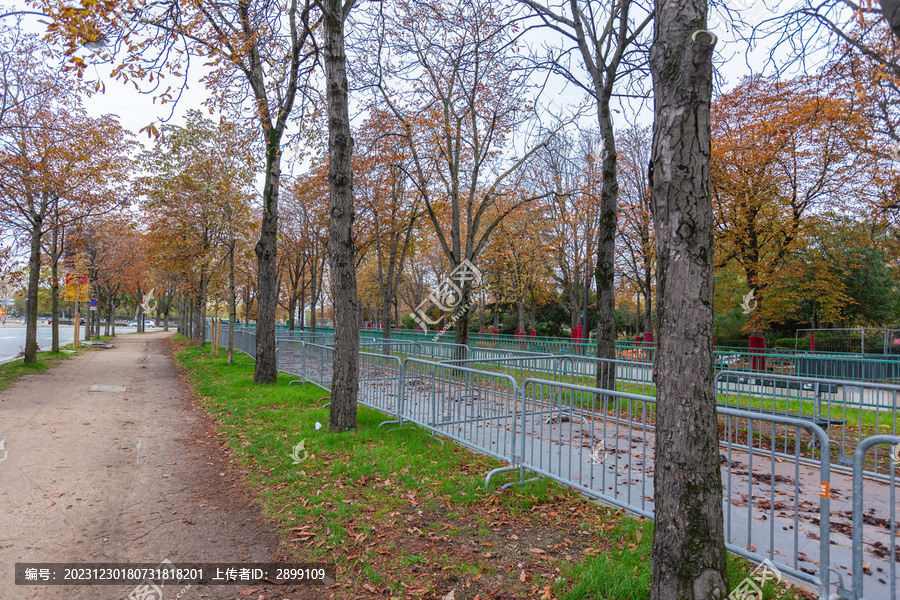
(531, 413)
(874, 524)
(475, 408)
(849, 411)
(602, 443)
(416, 349)
(633, 377)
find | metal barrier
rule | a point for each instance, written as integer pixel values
(318, 365)
(475, 408)
(305, 336)
(415, 349)
(848, 410)
(381, 379)
(531, 412)
(518, 367)
(290, 356)
(874, 524)
(631, 377)
(602, 443)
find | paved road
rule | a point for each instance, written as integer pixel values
(12, 337)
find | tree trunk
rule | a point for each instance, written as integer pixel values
(183, 316)
(267, 292)
(34, 273)
(605, 269)
(688, 561)
(345, 379)
(232, 303)
(54, 290)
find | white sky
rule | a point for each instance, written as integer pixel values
(137, 110)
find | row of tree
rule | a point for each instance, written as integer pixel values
(457, 99)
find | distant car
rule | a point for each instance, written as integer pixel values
(82, 320)
(147, 323)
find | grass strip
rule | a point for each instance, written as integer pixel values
(403, 515)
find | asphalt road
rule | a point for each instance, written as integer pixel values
(12, 337)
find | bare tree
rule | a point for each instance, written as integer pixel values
(610, 39)
(459, 93)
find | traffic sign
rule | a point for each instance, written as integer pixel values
(76, 287)
(93, 304)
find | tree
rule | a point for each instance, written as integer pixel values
(610, 42)
(57, 164)
(260, 56)
(518, 256)
(345, 374)
(689, 560)
(115, 263)
(636, 225)
(453, 81)
(568, 167)
(390, 206)
(197, 199)
(846, 278)
(305, 227)
(782, 150)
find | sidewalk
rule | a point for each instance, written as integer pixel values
(120, 476)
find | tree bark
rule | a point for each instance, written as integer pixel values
(605, 269)
(345, 378)
(688, 561)
(265, 370)
(34, 273)
(232, 303)
(54, 290)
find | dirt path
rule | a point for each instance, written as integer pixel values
(120, 476)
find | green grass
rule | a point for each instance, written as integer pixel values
(265, 423)
(623, 573)
(349, 488)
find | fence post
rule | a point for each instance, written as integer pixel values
(857, 536)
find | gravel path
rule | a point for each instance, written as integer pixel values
(130, 473)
